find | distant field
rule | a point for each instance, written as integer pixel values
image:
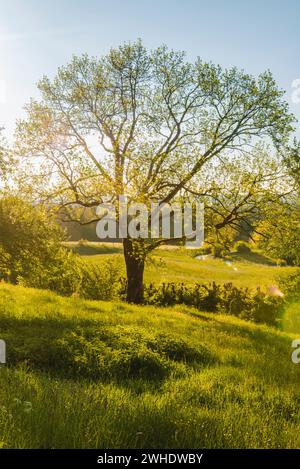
(88, 374)
(171, 264)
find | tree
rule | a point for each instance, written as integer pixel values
(145, 124)
(30, 241)
(243, 191)
(278, 234)
(278, 228)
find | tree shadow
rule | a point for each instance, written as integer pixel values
(253, 257)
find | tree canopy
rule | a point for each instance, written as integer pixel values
(151, 125)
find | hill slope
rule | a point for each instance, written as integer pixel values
(95, 374)
(172, 264)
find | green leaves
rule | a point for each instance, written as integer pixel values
(30, 240)
(153, 126)
(150, 114)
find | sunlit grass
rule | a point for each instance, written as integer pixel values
(171, 264)
(291, 318)
(245, 396)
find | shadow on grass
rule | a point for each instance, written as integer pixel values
(93, 250)
(80, 348)
(254, 257)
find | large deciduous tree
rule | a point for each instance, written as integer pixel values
(146, 124)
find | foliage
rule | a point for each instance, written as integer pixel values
(74, 276)
(62, 274)
(278, 234)
(150, 123)
(30, 242)
(291, 285)
(255, 305)
(31, 253)
(98, 282)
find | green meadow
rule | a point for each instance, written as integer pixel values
(172, 264)
(92, 374)
(149, 343)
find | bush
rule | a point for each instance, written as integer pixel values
(62, 275)
(72, 275)
(31, 253)
(178, 350)
(242, 247)
(255, 305)
(282, 241)
(98, 281)
(99, 356)
(30, 242)
(291, 285)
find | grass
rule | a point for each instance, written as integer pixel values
(171, 264)
(180, 266)
(85, 374)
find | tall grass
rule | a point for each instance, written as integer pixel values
(158, 378)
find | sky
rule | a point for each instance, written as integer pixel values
(36, 37)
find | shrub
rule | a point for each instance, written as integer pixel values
(242, 247)
(254, 305)
(98, 281)
(62, 275)
(31, 253)
(291, 285)
(72, 275)
(30, 240)
(282, 241)
(118, 352)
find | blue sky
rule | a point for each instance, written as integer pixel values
(38, 36)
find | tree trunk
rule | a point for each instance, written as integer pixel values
(135, 263)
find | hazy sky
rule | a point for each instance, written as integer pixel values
(38, 36)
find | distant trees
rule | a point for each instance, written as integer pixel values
(151, 125)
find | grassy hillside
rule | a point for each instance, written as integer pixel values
(95, 375)
(171, 264)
